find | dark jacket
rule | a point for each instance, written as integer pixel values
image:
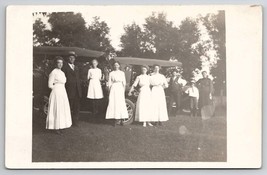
(205, 85)
(73, 84)
(175, 87)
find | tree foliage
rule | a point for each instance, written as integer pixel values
(69, 29)
(157, 38)
(160, 39)
(215, 24)
(97, 36)
(41, 36)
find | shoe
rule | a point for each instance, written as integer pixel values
(144, 124)
(149, 124)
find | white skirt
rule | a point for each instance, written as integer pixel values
(94, 89)
(159, 105)
(116, 105)
(59, 115)
(143, 111)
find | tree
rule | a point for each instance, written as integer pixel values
(133, 43)
(160, 35)
(215, 24)
(41, 36)
(68, 28)
(190, 57)
(97, 36)
(160, 39)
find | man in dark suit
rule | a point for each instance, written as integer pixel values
(176, 89)
(73, 86)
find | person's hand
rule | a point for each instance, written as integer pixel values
(130, 93)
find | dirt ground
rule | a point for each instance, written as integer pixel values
(182, 138)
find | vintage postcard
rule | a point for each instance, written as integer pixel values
(136, 86)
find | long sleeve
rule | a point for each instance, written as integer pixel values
(165, 83)
(109, 80)
(124, 79)
(51, 80)
(100, 75)
(88, 74)
(136, 81)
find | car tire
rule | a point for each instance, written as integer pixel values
(131, 112)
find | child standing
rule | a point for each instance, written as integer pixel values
(95, 92)
(193, 93)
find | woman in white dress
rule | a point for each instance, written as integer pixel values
(159, 106)
(59, 116)
(116, 106)
(95, 92)
(143, 104)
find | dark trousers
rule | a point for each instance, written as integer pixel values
(193, 106)
(75, 108)
(175, 97)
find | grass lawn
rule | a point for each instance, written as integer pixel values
(182, 138)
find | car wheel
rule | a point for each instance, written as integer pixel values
(131, 112)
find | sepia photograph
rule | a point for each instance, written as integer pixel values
(147, 86)
(133, 86)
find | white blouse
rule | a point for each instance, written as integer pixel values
(57, 76)
(142, 80)
(158, 80)
(94, 74)
(116, 77)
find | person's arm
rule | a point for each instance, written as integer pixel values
(134, 85)
(187, 91)
(124, 80)
(51, 80)
(184, 82)
(101, 75)
(88, 74)
(109, 81)
(165, 83)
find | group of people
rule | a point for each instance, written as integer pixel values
(64, 81)
(199, 92)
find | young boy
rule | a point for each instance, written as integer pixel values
(193, 93)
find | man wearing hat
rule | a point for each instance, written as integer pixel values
(176, 89)
(73, 86)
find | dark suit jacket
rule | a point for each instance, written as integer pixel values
(174, 86)
(73, 84)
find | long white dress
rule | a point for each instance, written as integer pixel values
(116, 105)
(94, 88)
(59, 115)
(159, 105)
(143, 111)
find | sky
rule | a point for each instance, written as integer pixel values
(118, 16)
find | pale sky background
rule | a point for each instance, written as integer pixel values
(118, 16)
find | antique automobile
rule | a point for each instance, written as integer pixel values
(43, 64)
(130, 65)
